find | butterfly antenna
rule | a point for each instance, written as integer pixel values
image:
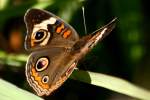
(84, 20)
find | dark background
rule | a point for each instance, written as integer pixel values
(124, 53)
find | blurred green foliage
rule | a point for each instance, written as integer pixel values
(124, 53)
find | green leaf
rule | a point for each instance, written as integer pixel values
(11, 92)
(112, 83)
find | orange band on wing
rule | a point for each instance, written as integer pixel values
(66, 34)
(32, 43)
(60, 28)
(38, 79)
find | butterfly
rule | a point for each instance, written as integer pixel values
(55, 49)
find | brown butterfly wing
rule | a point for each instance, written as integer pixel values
(86, 43)
(51, 62)
(45, 29)
(47, 69)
